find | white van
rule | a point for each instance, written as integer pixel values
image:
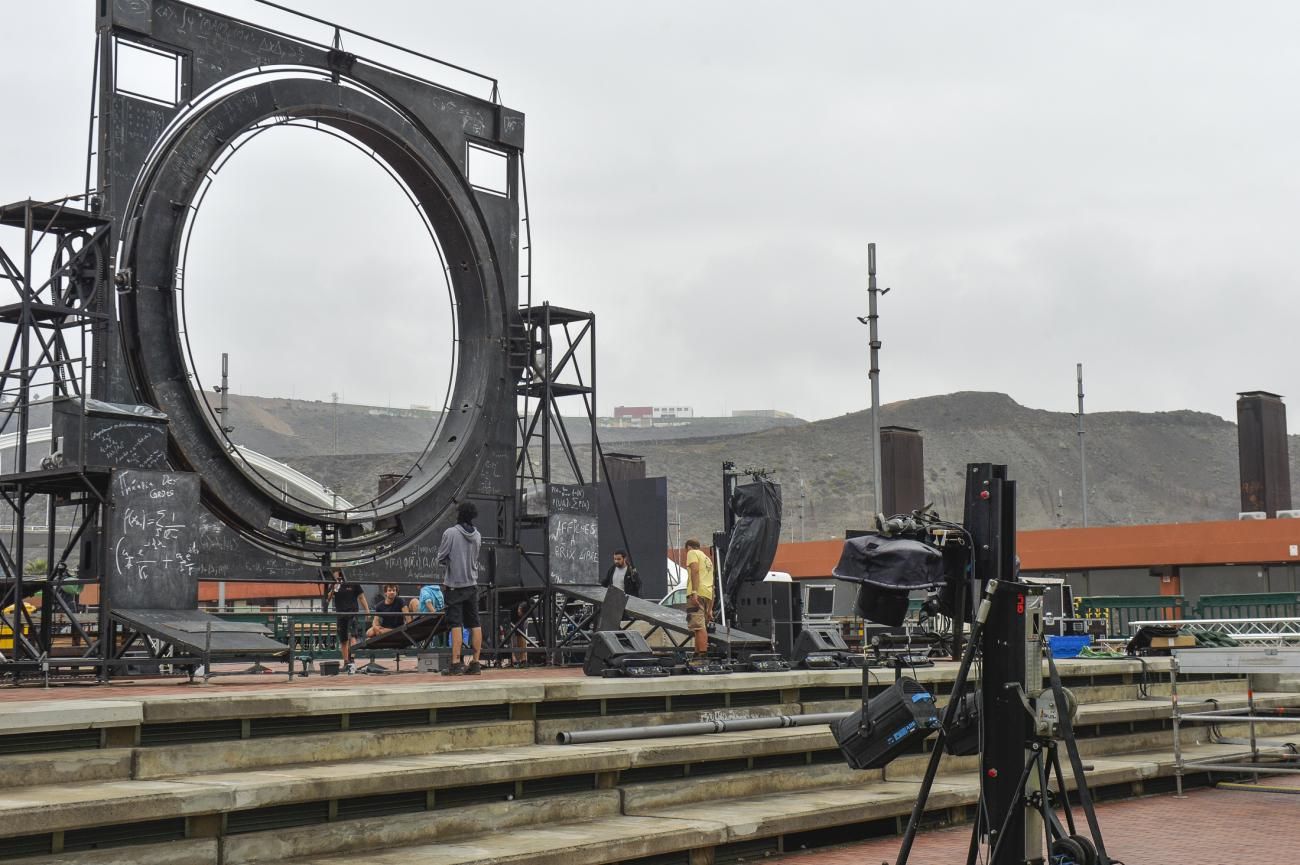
(677, 597)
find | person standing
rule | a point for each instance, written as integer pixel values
(347, 596)
(459, 552)
(699, 595)
(622, 575)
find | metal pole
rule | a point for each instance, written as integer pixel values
(874, 374)
(1083, 454)
(1176, 717)
(802, 497)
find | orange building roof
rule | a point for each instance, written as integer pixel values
(235, 591)
(1099, 548)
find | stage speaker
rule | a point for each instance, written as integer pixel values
(771, 610)
(817, 640)
(621, 653)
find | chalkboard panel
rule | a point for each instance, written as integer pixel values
(153, 540)
(573, 530)
(224, 555)
(117, 436)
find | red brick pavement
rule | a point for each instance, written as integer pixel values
(233, 684)
(1209, 827)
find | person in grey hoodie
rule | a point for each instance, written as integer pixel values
(458, 552)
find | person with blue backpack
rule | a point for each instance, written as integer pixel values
(430, 600)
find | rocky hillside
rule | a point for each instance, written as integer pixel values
(1142, 467)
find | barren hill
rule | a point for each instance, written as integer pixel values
(1143, 467)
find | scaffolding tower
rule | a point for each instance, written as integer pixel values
(56, 322)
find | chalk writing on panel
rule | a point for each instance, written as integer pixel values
(574, 535)
(153, 544)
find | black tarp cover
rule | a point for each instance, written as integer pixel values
(887, 569)
(751, 549)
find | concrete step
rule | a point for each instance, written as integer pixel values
(57, 808)
(653, 821)
(178, 782)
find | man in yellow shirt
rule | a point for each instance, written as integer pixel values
(699, 595)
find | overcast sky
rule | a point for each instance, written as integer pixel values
(1105, 183)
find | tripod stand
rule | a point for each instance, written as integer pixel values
(1023, 810)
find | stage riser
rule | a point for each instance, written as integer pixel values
(835, 822)
(349, 781)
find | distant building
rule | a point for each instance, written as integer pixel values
(762, 412)
(654, 412)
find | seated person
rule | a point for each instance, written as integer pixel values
(429, 601)
(389, 613)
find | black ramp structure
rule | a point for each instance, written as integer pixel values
(670, 620)
(197, 634)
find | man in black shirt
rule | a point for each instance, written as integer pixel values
(389, 612)
(346, 597)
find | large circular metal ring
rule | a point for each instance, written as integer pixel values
(150, 309)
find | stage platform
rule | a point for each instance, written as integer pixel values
(432, 769)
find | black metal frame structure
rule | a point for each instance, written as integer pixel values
(154, 161)
(558, 362)
(149, 160)
(52, 319)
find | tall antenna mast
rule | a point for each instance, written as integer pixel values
(874, 342)
(1083, 453)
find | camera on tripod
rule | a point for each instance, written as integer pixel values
(906, 553)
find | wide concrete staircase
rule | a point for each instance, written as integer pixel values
(468, 772)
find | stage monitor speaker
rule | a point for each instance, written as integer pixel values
(817, 639)
(621, 653)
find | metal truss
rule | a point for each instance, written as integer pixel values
(1255, 632)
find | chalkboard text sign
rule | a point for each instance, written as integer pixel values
(573, 530)
(153, 540)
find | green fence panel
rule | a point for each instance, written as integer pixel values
(313, 635)
(1256, 605)
(1119, 610)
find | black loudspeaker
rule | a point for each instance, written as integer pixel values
(769, 610)
(818, 640)
(621, 653)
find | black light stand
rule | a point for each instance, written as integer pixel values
(1016, 811)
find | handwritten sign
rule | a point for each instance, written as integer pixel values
(573, 532)
(153, 542)
(572, 499)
